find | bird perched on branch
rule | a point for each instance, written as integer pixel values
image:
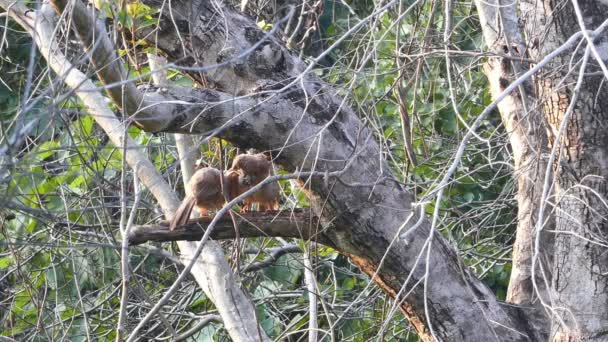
(254, 168)
(204, 190)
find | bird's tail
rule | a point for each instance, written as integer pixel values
(183, 212)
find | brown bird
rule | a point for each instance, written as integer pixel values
(254, 168)
(204, 190)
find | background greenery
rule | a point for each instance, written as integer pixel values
(60, 184)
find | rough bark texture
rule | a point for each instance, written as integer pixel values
(580, 270)
(523, 120)
(364, 210)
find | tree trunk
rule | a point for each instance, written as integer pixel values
(524, 123)
(580, 281)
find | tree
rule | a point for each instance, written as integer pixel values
(257, 94)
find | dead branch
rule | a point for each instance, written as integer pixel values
(300, 224)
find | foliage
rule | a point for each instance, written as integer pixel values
(59, 262)
(478, 212)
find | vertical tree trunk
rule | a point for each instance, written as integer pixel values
(523, 122)
(580, 281)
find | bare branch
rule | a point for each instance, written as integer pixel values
(297, 224)
(109, 66)
(273, 255)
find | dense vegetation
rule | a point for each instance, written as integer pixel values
(65, 187)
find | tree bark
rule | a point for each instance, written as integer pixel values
(523, 120)
(580, 284)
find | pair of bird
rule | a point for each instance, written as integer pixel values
(204, 190)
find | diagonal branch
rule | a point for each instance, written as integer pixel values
(109, 67)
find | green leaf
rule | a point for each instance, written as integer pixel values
(468, 197)
(47, 149)
(263, 25)
(5, 262)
